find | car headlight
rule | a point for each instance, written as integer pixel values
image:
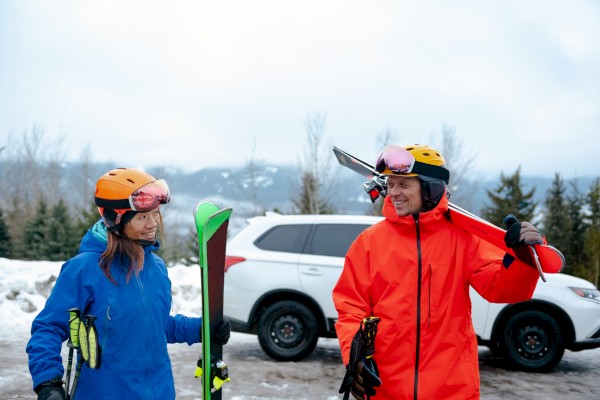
(586, 293)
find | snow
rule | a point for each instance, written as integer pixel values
(25, 286)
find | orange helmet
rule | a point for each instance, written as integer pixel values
(122, 192)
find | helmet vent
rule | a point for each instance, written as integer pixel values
(130, 180)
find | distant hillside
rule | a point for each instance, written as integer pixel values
(277, 185)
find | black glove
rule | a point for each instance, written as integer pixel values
(522, 233)
(51, 390)
(366, 379)
(222, 332)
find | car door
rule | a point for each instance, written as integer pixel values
(322, 261)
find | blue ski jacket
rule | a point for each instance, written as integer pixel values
(133, 321)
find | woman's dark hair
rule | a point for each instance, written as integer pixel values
(129, 252)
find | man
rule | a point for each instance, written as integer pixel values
(413, 271)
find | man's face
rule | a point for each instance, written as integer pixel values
(405, 193)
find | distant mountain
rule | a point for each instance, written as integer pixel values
(275, 187)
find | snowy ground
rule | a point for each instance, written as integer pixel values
(25, 285)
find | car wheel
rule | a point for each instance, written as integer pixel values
(532, 341)
(287, 331)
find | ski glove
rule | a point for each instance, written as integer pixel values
(522, 233)
(366, 379)
(51, 390)
(222, 332)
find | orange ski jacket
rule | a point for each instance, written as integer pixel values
(414, 273)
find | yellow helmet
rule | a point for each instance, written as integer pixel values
(414, 160)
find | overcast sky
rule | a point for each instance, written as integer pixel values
(195, 84)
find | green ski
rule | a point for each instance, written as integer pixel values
(211, 225)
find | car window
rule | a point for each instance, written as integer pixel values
(333, 239)
(287, 238)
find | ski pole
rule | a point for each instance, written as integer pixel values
(84, 353)
(73, 343)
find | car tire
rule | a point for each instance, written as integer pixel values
(532, 341)
(287, 331)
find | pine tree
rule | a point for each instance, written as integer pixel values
(36, 233)
(87, 218)
(5, 239)
(509, 198)
(592, 237)
(557, 220)
(575, 255)
(62, 241)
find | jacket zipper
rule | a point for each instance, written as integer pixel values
(420, 273)
(145, 302)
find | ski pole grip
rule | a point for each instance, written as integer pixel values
(509, 221)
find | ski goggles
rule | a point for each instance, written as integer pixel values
(150, 196)
(146, 198)
(398, 160)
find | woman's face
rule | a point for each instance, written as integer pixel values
(143, 225)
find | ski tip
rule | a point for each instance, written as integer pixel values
(205, 205)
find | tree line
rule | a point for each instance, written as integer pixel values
(44, 214)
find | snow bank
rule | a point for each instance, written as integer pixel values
(25, 286)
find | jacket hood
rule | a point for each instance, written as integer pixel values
(389, 212)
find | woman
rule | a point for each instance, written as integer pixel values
(118, 279)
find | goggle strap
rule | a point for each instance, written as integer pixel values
(113, 204)
(431, 171)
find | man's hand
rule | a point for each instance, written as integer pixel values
(366, 379)
(522, 233)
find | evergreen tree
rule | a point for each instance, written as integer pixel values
(592, 237)
(557, 219)
(87, 218)
(509, 198)
(574, 254)
(62, 242)
(36, 233)
(5, 239)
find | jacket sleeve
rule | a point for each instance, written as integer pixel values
(499, 277)
(50, 328)
(351, 295)
(182, 329)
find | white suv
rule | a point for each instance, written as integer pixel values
(281, 269)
